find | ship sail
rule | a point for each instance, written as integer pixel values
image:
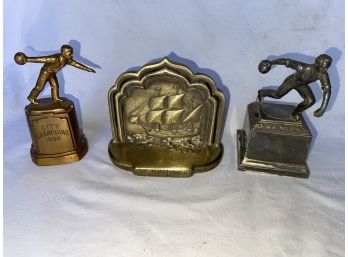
(133, 119)
(138, 112)
(175, 101)
(154, 117)
(138, 119)
(194, 114)
(157, 103)
(173, 117)
(165, 116)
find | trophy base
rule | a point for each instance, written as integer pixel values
(273, 142)
(278, 168)
(55, 159)
(56, 135)
(145, 161)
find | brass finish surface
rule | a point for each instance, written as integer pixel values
(272, 141)
(55, 132)
(146, 161)
(166, 121)
(56, 136)
(52, 64)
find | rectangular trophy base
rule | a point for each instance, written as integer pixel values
(282, 169)
(272, 141)
(56, 135)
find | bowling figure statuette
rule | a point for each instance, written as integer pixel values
(55, 132)
(166, 121)
(275, 137)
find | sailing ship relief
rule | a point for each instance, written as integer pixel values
(168, 116)
(169, 121)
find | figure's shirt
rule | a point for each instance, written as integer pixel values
(307, 74)
(56, 66)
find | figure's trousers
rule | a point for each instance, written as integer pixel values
(45, 77)
(289, 84)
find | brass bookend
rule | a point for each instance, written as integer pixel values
(166, 121)
(55, 132)
(272, 142)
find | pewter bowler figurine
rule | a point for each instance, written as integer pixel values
(305, 74)
(275, 138)
(56, 135)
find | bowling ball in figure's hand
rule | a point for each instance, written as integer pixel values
(20, 58)
(265, 66)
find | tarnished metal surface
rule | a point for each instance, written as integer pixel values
(166, 121)
(271, 141)
(299, 81)
(275, 137)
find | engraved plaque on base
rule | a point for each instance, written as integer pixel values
(166, 121)
(272, 141)
(56, 136)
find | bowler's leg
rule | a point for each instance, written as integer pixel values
(40, 84)
(288, 84)
(54, 88)
(309, 99)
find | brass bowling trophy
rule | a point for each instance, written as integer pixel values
(166, 121)
(275, 137)
(55, 132)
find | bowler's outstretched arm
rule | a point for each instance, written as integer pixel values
(80, 66)
(42, 59)
(298, 66)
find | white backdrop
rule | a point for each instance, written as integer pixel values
(91, 208)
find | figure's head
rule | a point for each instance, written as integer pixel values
(67, 51)
(323, 62)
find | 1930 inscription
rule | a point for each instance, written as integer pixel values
(52, 131)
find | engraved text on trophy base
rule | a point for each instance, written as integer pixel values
(53, 135)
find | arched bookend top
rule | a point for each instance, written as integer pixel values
(166, 121)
